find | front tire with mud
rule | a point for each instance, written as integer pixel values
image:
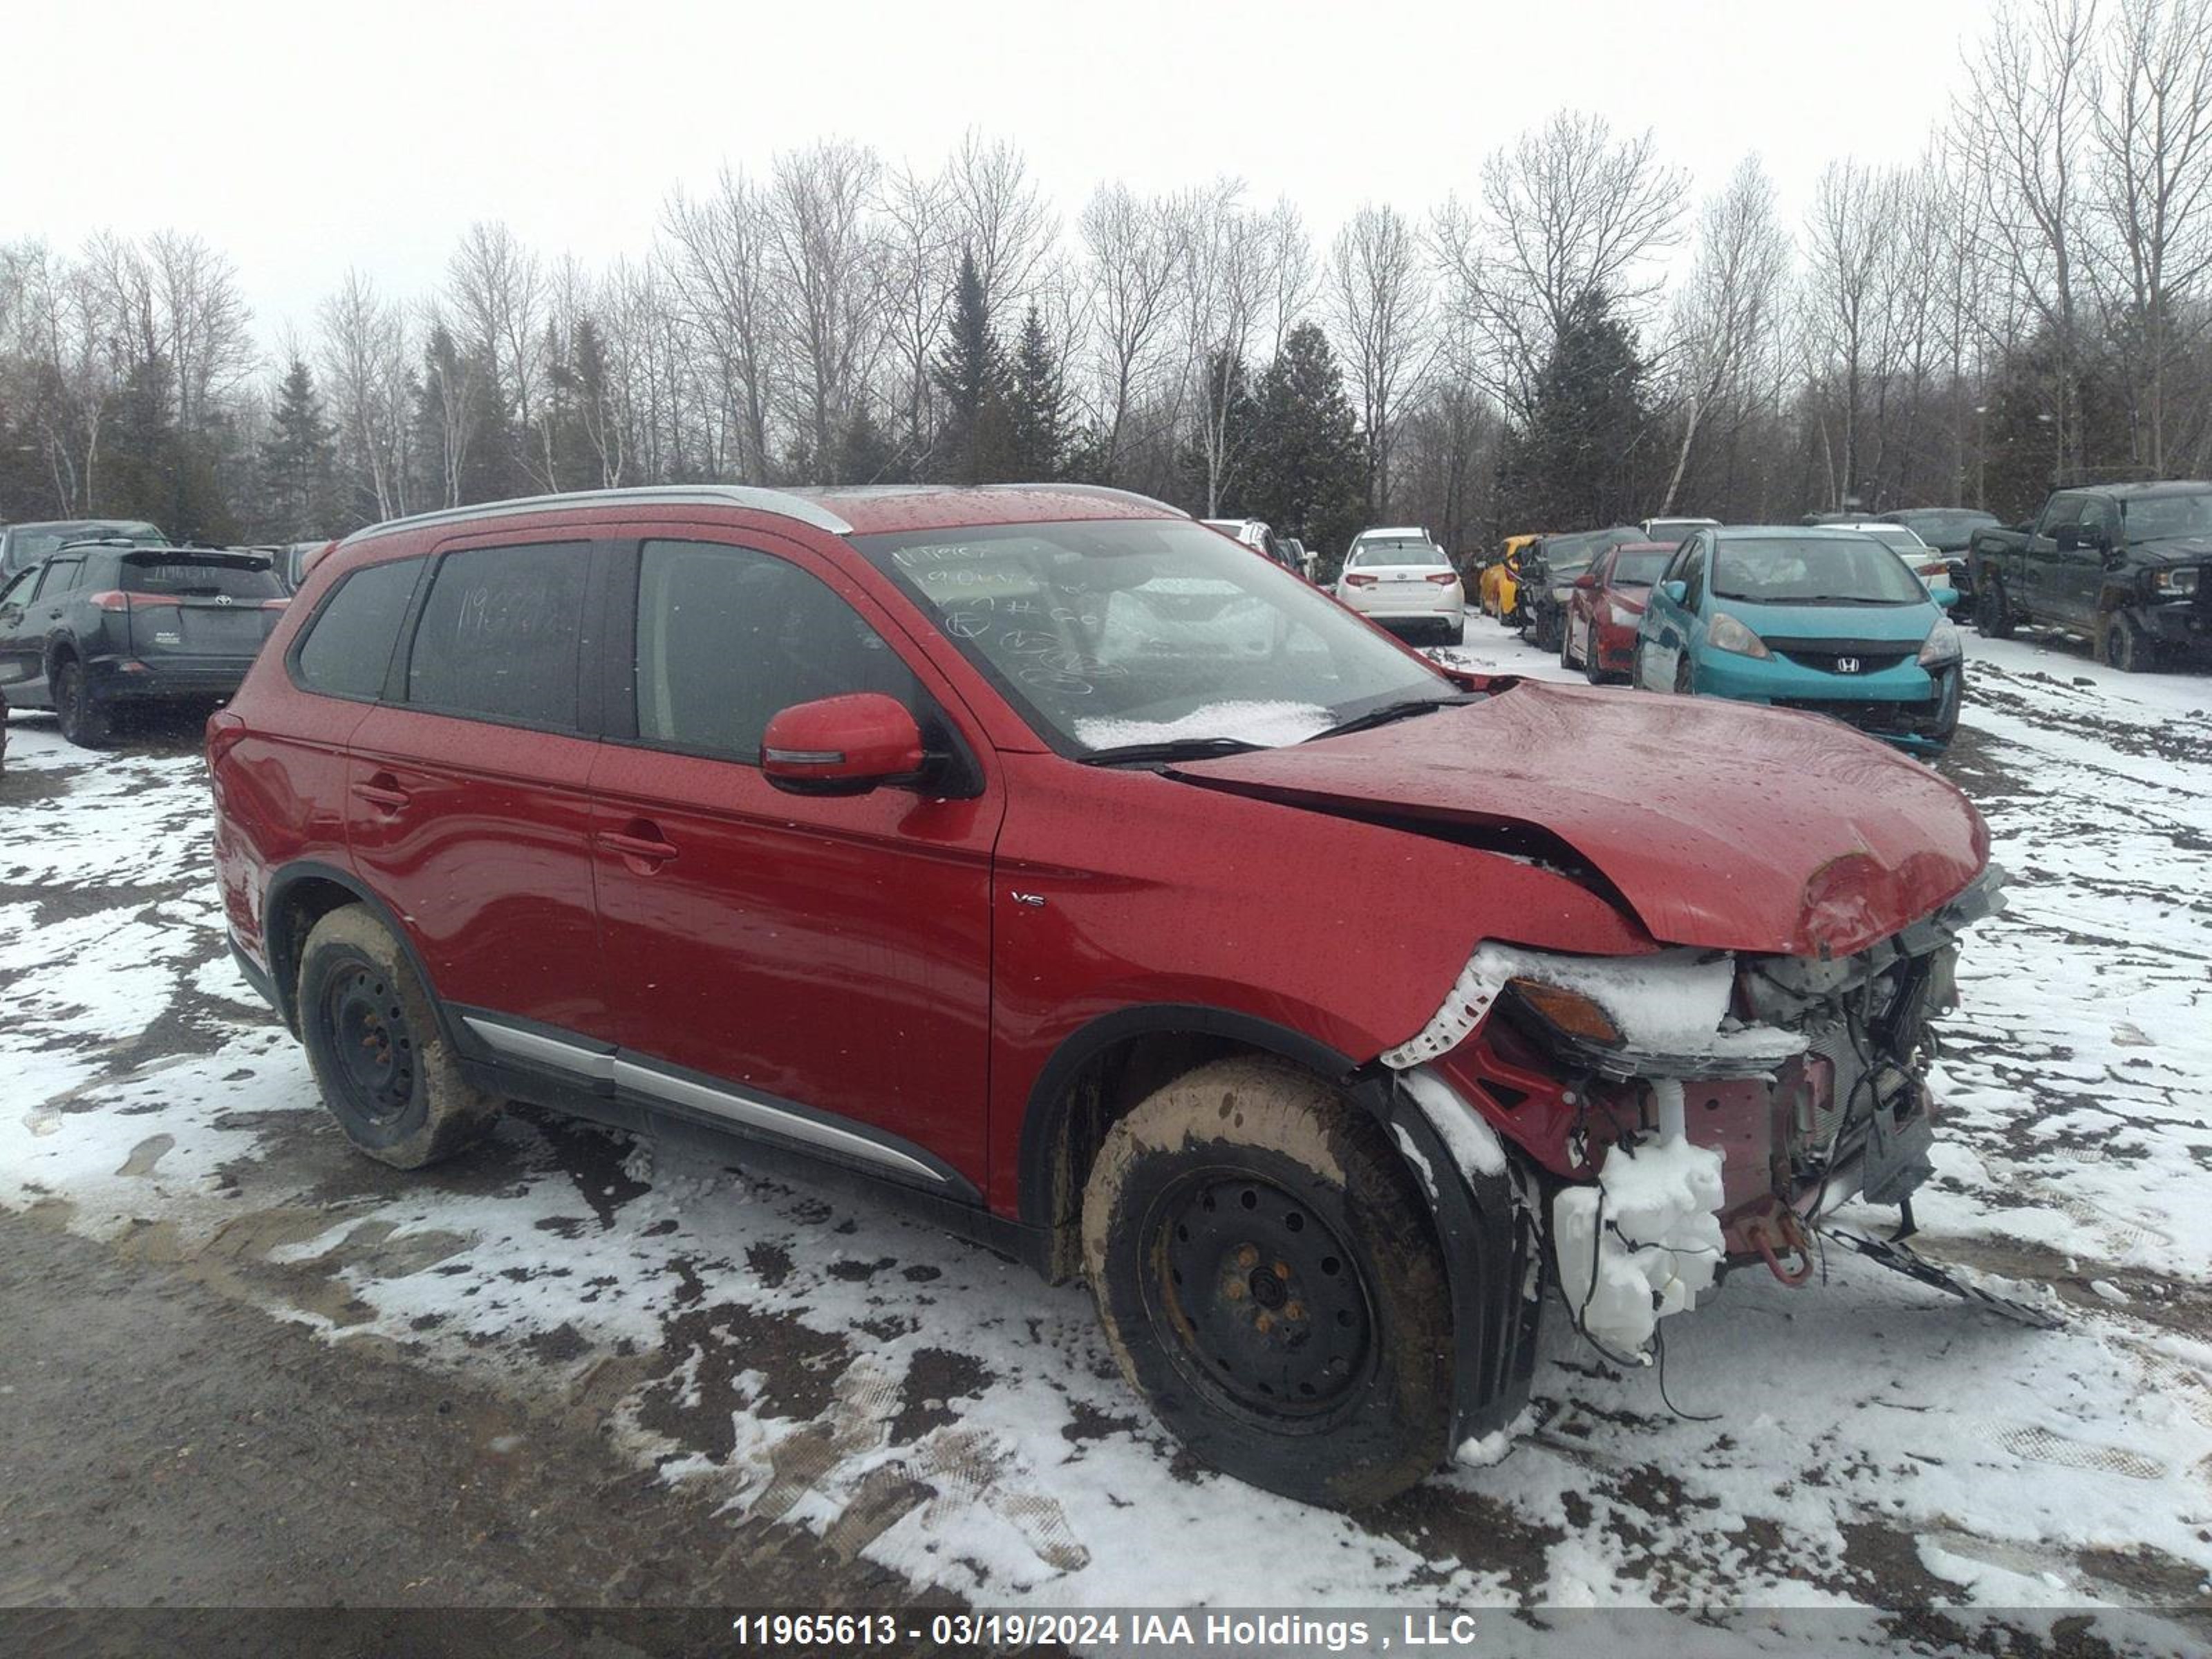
(385, 1068)
(1270, 1284)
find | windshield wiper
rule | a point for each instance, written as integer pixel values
(1174, 748)
(1389, 712)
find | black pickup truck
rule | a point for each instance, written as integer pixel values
(2121, 565)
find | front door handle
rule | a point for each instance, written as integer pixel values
(640, 845)
(381, 791)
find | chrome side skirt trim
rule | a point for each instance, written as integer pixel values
(759, 1115)
(607, 1065)
(529, 1045)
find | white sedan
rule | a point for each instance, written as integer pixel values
(1399, 578)
(1930, 565)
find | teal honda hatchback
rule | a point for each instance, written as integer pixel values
(1829, 621)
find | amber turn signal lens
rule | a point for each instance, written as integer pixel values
(1569, 1011)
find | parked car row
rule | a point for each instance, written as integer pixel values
(641, 804)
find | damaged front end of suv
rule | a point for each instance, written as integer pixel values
(1699, 1110)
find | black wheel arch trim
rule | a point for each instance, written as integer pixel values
(1487, 1249)
(284, 955)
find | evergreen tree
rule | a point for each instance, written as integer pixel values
(1036, 407)
(867, 453)
(296, 493)
(1307, 472)
(973, 442)
(1581, 459)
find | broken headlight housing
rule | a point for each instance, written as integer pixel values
(1941, 647)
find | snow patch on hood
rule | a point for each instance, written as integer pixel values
(1268, 724)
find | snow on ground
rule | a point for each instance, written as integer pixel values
(811, 1359)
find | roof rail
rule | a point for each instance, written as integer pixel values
(777, 502)
(1101, 492)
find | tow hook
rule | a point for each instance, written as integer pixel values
(1775, 1232)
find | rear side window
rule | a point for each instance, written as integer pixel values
(185, 578)
(728, 637)
(499, 634)
(61, 576)
(348, 647)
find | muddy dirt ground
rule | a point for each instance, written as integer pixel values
(243, 1365)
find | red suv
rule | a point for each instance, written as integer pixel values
(1117, 898)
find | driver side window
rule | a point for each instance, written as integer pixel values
(728, 637)
(1693, 576)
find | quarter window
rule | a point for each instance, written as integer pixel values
(348, 647)
(728, 637)
(501, 634)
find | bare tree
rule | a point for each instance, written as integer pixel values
(829, 281)
(1001, 218)
(497, 290)
(1730, 305)
(920, 252)
(2023, 114)
(366, 359)
(1848, 238)
(1134, 252)
(1227, 282)
(1380, 301)
(2151, 144)
(1565, 213)
(719, 266)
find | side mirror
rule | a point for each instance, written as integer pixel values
(2067, 537)
(1945, 596)
(845, 745)
(1587, 579)
(1677, 592)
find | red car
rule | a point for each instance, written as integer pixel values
(1604, 606)
(1115, 898)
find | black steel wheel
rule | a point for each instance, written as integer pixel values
(374, 1043)
(1270, 1284)
(1269, 1307)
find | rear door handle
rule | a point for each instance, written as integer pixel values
(638, 843)
(382, 792)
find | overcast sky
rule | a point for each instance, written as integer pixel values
(302, 138)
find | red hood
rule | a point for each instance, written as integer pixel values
(1722, 825)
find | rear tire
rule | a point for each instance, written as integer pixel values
(1270, 1285)
(1456, 630)
(372, 1039)
(84, 722)
(1993, 613)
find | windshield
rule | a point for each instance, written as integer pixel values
(1125, 631)
(1640, 569)
(1822, 570)
(1394, 550)
(2161, 518)
(36, 541)
(196, 578)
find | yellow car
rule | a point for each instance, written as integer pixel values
(1500, 589)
